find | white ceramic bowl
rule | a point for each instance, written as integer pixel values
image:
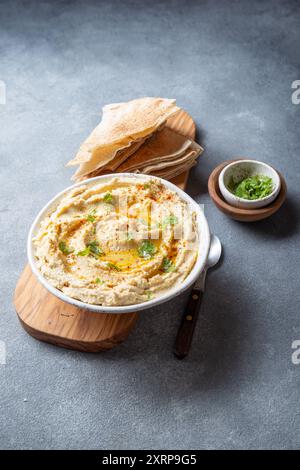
(241, 169)
(204, 243)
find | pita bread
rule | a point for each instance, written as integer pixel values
(164, 144)
(150, 158)
(122, 124)
(123, 155)
(166, 173)
(119, 154)
(174, 171)
(185, 159)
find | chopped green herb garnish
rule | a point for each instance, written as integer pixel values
(167, 266)
(146, 186)
(98, 281)
(84, 252)
(95, 248)
(113, 266)
(91, 217)
(64, 248)
(170, 220)
(146, 249)
(253, 187)
(108, 197)
(149, 295)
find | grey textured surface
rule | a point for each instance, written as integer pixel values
(231, 65)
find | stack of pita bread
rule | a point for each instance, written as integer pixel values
(134, 137)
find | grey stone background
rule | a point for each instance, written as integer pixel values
(231, 65)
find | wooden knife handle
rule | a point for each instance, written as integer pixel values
(186, 330)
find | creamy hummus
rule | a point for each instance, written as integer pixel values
(121, 242)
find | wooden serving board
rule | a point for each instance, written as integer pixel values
(47, 318)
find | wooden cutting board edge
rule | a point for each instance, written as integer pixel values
(47, 318)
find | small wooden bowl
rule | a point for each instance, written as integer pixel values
(243, 215)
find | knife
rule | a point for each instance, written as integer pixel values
(189, 319)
